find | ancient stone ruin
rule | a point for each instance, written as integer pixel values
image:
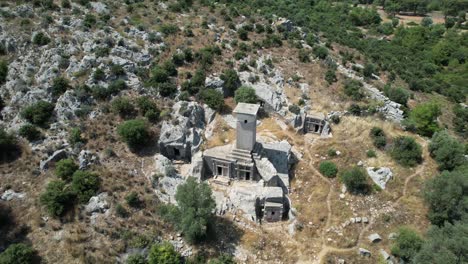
(263, 166)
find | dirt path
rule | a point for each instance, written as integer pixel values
(326, 249)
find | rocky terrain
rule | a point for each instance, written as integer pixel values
(91, 63)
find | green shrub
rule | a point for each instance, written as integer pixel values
(133, 200)
(212, 98)
(328, 169)
(3, 72)
(355, 180)
(371, 153)
(117, 70)
(18, 254)
(85, 184)
(57, 198)
(369, 70)
(59, 86)
(294, 109)
(379, 139)
(245, 94)
(398, 95)
(146, 104)
(194, 210)
(423, 119)
(243, 34)
(121, 211)
(164, 253)
(353, 89)
(75, 136)
(406, 151)
(136, 259)
(65, 168)
(168, 29)
(122, 106)
(39, 113)
(159, 75)
(330, 76)
(355, 109)
(178, 59)
(446, 196)
(304, 56)
(41, 39)
(30, 132)
(335, 119)
(134, 132)
(459, 121)
(89, 20)
(407, 244)
(231, 80)
(320, 52)
(447, 151)
(167, 89)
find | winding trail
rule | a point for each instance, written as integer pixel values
(326, 249)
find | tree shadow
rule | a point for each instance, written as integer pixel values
(223, 236)
(150, 148)
(10, 155)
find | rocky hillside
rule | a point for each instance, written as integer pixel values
(93, 92)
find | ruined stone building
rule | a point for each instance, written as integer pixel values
(311, 123)
(265, 165)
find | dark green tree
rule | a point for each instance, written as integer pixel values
(245, 94)
(355, 180)
(38, 113)
(18, 254)
(407, 244)
(164, 253)
(194, 209)
(85, 184)
(447, 151)
(446, 195)
(134, 132)
(423, 119)
(231, 80)
(212, 98)
(328, 169)
(57, 198)
(65, 168)
(406, 151)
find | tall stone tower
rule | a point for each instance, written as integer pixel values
(246, 128)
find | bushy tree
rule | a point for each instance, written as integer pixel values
(164, 253)
(320, 52)
(38, 113)
(212, 98)
(136, 259)
(75, 136)
(445, 245)
(59, 86)
(167, 89)
(57, 197)
(447, 151)
(65, 169)
(30, 132)
(159, 75)
(231, 80)
(369, 70)
(397, 94)
(330, 76)
(122, 106)
(364, 16)
(460, 120)
(41, 39)
(245, 94)
(407, 244)
(85, 184)
(18, 254)
(406, 151)
(328, 169)
(446, 195)
(355, 180)
(243, 34)
(3, 71)
(423, 119)
(133, 200)
(194, 209)
(134, 132)
(379, 139)
(353, 89)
